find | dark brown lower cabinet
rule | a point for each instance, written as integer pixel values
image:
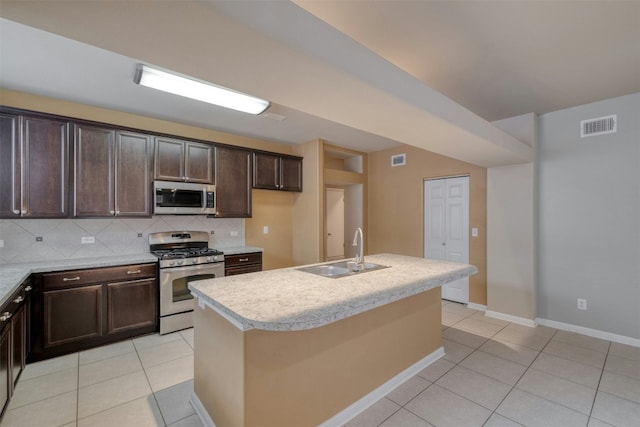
(80, 309)
(5, 366)
(14, 315)
(72, 315)
(132, 305)
(242, 263)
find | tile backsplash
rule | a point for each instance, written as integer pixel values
(48, 239)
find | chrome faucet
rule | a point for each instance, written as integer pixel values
(360, 255)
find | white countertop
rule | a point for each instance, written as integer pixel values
(289, 299)
(235, 250)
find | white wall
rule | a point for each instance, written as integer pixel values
(511, 283)
(511, 249)
(353, 204)
(589, 218)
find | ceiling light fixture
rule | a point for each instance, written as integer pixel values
(206, 92)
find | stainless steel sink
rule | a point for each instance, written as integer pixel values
(341, 269)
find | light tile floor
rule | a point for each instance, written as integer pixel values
(494, 373)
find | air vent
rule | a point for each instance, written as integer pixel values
(399, 160)
(599, 126)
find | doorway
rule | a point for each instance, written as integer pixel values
(335, 224)
(446, 228)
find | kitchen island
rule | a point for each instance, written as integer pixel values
(290, 348)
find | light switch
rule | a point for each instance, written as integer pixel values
(234, 233)
(265, 229)
(474, 232)
(87, 239)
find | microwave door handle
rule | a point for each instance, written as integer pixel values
(204, 197)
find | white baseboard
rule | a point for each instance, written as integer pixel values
(366, 401)
(354, 409)
(509, 318)
(590, 332)
(201, 411)
(475, 306)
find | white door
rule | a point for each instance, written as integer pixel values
(335, 224)
(446, 228)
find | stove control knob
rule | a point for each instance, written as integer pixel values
(180, 262)
(193, 261)
(211, 258)
(172, 263)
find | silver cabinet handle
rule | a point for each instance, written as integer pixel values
(23, 212)
(117, 212)
(5, 316)
(133, 272)
(16, 211)
(19, 299)
(27, 288)
(243, 259)
(112, 212)
(70, 279)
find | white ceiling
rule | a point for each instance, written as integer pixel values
(365, 75)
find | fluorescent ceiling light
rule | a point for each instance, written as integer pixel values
(206, 92)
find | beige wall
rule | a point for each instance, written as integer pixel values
(396, 208)
(308, 247)
(272, 209)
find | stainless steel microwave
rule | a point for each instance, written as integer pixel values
(183, 198)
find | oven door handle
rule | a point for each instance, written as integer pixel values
(194, 268)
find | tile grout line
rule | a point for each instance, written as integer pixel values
(153, 393)
(595, 396)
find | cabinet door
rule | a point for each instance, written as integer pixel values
(5, 363)
(266, 171)
(19, 345)
(169, 164)
(233, 182)
(45, 168)
(198, 161)
(290, 174)
(133, 174)
(72, 315)
(9, 166)
(131, 305)
(93, 178)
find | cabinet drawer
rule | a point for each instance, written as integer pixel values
(74, 278)
(240, 259)
(243, 269)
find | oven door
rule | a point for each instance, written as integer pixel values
(175, 296)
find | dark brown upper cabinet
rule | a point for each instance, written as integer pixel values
(34, 167)
(273, 172)
(179, 160)
(112, 175)
(233, 182)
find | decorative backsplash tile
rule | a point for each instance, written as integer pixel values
(61, 238)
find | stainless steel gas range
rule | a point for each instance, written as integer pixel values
(184, 257)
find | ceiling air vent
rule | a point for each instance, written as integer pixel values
(399, 160)
(599, 126)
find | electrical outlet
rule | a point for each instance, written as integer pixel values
(474, 232)
(265, 229)
(87, 239)
(234, 233)
(1, 243)
(582, 304)
(213, 232)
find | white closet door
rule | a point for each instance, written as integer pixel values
(447, 228)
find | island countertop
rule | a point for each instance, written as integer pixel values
(289, 300)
